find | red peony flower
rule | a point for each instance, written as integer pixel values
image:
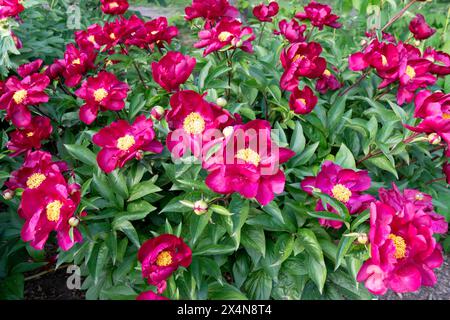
(210, 10)
(420, 29)
(104, 91)
(292, 30)
(327, 81)
(440, 61)
(413, 74)
(56, 69)
(31, 136)
(172, 70)
(153, 32)
(301, 60)
(403, 250)
(114, 6)
(122, 142)
(27, 69)
(302, 101)
(227, 32)
(319, 15)
(162, 256)
(89, 39)
(194, 122)
(77, 63)
(446, 170)
(18, 94)
(10, 8)
(150, 295)
(266, 13)
(49, 208)
(37, 169)
(345, 185)
(248, 162)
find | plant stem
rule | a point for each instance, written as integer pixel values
(309, 33)
(398, 15)
(357, 82)
(263, 25)
(436, 180)
(136, 67)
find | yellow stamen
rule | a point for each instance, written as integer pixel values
(164, 259)
(301, 100)
(112, 36)
(446, 115)
(224, 35)
(30, 134)
(194, 123)
(126, 142)
(298, 56)
(249, 155)
(20, 96)
(76, 61)
(53, 210)
(410, 72)
(327, 73)
(113, 5)
(35, 180)
(384, 61)
(100, 94)
(91, 39)
(341, 193)
(154, 32)
(400, 246)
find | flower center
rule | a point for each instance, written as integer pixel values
(341, 193)
(249, 156)
(112, 36)
(410, 72)
(113, 5)
(30, 134)
(194, 123)
(91, 39)
(76, 61)
(327, 73)
(164, 259)
(35, 180)
(126, 142)
(20, 96)
(54, 210)
(446, 115)
(154, 32)
(224, 35)
(100, 94)
(384, 61)
(298, 56)
(400, 246)
(302, 101)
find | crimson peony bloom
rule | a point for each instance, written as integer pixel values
(31, 136)
(420, 29)
(89, 39)
(122, 142)
(48, 208)
(403, 250)
(319, 15)
(248, 162)
(440, 61)
(301, 60)
(413, 74)
(56, 69)
(27, 69)
(194, 122)
(327, 81)
(18, 94)
(211, 10)
(162, 256)
(302, 101)
(446, 170)
(150, 295)
(153, 32)
(104, 91)
(77, 63)
(266, 13)
(345, 185)
(114, 6)
(292, 30)
(37, 169)
(172, 70)
(10, 8)
(227, 32)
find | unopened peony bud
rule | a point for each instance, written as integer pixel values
(362, 238)
(157, 112)
(73, 222)
(417, 43)
(200, 207)
(139, 155)
(222, 102)
(8, 194)
(434, 138)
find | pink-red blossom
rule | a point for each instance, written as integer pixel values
(114, 6)
(302, 101)
(172, 70)
(419, 28)
(319, 15)
(265, 13)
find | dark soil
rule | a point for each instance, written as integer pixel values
(51, 286)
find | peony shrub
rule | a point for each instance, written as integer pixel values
(237, 152)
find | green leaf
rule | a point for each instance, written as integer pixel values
(309, 241)
(298, 140)
(216, 291)
(127, 228)
(214, 249)
(258, 285)
(344, 245)
(325, 215)
(81, 153)
(254, 238)
(142, 189)
(383, 163)
(220, 210)
(345, 158)
(317, 271)
(119, 292)
(137, 210)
